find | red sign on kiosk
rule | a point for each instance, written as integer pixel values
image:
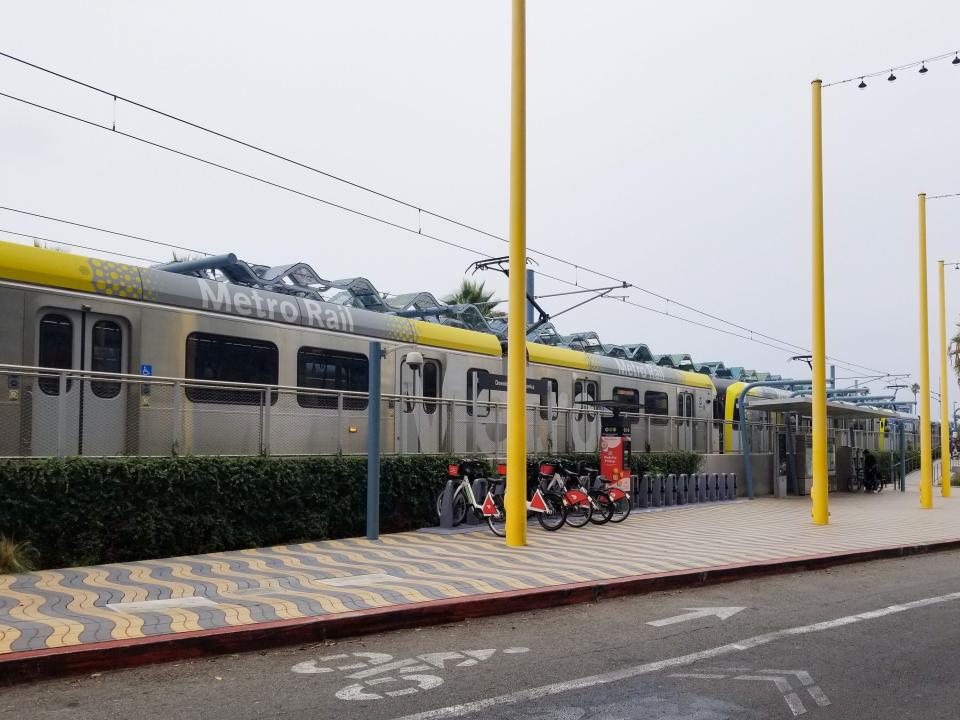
(615, 451)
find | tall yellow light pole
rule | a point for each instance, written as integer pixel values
(516, 496)
(819, 492)
(926, 460)
(944, 393)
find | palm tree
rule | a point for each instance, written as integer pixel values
(954, 353)
(472, 292)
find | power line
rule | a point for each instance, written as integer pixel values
(938, 197)
(922, 64)
(75, 245)
(419, 208)
(104, 230)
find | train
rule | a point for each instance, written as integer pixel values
(168, 361)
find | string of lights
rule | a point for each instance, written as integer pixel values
(418, 207)
(752, 334)
(940, 197)
(921, 64)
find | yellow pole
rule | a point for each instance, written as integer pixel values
(926, 459)
(516, 497)
(944, 394)
(819, 492)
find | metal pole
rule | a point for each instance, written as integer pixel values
(903, 456)
(926, 457)
(373, 444)
(530, 291)
(819, 491)
(516, 496)
(944, 394)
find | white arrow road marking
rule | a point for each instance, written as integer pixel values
(633, 671)
(696, 613)
(819, 697)
(783, 685)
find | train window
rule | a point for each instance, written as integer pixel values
(230, 359)
(656, 403)
(55, 350)
(553, 388)
(584, 390)
(689, 412)
(106, 355)
(431, 385)
(474, 374)
(332, 370)
(631, 396)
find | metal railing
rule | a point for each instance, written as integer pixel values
(46, 412)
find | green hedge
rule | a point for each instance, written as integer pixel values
(85, 511)
(88, 511)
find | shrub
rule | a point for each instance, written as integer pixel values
(82, 511)
(16, 557)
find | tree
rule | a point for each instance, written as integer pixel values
(954, 353)
(472, 292)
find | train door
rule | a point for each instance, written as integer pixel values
(684, 421)
(94, 421)
(420, 416)
(586, 419)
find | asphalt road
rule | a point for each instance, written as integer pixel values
(875, 640)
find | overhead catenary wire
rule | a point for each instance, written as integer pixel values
(564, 281)
(33, 236)
(419, 208)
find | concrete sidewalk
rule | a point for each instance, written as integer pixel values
(80, 619)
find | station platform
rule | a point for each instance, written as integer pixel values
(81, 619)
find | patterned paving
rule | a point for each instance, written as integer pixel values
(70, 607)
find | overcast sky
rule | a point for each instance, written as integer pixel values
(668, 144)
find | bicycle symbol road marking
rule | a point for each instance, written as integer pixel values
(380, 676)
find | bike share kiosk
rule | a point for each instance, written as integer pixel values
(615, 440)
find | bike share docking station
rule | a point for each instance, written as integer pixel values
(652, 490)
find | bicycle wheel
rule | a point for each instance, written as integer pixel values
(578, 515)
(621, 510)
(498, 522)
(603, 510)
(459, 506)
(556, 513)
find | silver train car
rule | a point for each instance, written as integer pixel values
(173, 336)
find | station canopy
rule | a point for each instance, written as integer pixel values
(804, 406)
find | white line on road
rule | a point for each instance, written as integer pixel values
(652, 667)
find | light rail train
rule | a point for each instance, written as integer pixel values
(66, 311)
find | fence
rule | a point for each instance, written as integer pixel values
(48, 412)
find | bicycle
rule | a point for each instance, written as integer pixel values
(548, 506)
(583, 505)
(463, 498)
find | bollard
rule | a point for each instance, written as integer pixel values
(642, 498)
(722, 491)
(712, 482)
(670, 491)
(479, 488)
(732, 486)
(446, 506)
(695, 488)
(658, 490)
(682, 492)
(704, 480)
